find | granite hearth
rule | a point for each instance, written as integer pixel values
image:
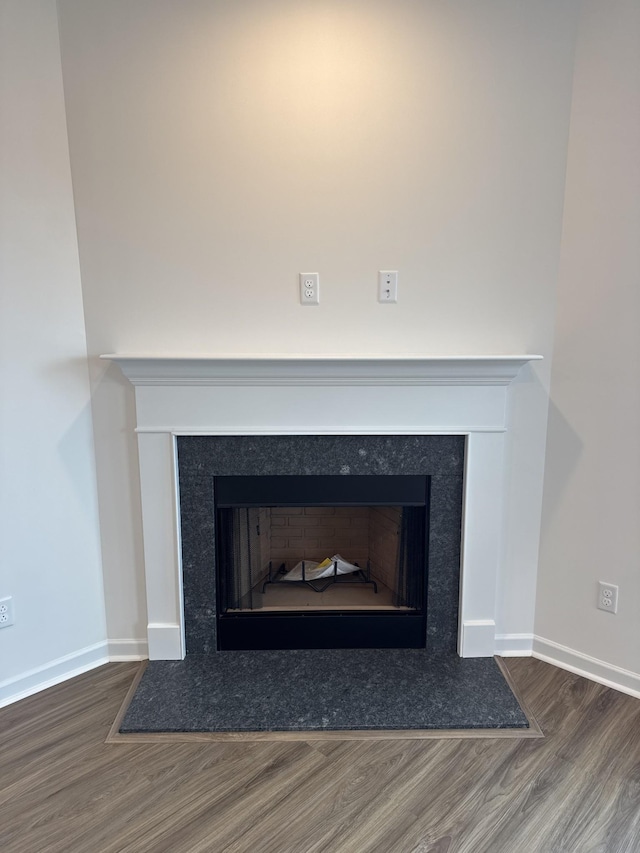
(354, 690)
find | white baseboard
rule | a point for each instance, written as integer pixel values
(124, 650)
(514, 645)
(165, 641)
(586, 666)
(52, 673)
(477, 638)
(506, 645)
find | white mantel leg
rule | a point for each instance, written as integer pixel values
(481, 538)
(161, 547)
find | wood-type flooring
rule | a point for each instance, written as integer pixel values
(577, 790)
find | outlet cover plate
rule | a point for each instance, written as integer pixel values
(309, 288)
(607, 597)
(6, 612)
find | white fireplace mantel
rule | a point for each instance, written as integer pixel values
(306, 395)
(319, 370)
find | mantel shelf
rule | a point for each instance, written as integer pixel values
(319, 369)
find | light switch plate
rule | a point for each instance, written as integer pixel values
(387, 285)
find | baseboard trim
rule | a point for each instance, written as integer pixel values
(506, 645)
(477, 638)
(514, 645)
(588, 667)
(165, 641)
(125, 650)
(52, 673)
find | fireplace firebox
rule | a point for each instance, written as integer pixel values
(321, 561)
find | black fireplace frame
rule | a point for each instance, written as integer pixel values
(310, 628)
(202, 458)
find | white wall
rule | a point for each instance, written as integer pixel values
(591, 527)
(218, 148)
(49, 539)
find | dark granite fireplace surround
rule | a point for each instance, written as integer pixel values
(201, 458)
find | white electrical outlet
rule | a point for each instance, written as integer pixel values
(607, 597)
(387, 286)
(6, 612)
(309, 288)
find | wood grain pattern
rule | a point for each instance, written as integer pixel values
(577, 790)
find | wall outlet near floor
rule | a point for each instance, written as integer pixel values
(607, 597)
(6, 612)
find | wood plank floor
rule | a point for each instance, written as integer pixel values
(62, 788)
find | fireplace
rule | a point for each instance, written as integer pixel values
(193, 401)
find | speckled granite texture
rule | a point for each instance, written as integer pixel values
(201, 458)
(322, 690)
